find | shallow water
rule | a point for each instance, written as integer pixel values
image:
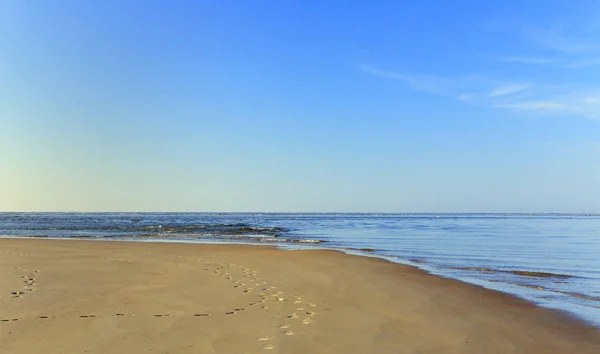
(553, 260)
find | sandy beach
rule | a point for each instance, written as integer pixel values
(123, 297)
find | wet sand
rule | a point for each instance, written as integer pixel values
(120, 297)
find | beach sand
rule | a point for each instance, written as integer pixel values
(124, 297)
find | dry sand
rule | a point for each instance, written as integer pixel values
(120, 297)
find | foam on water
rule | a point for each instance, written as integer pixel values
(551, 259)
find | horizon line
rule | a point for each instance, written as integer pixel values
(308, 212)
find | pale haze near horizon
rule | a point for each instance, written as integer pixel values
(344, 106)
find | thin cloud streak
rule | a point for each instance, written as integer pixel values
(427, 84)
(576, 63)
(531, 60)
(536, 105)
(583, 63)
(466, 97)
(592, 100)
(509, 89)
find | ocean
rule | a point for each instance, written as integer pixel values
(552, 260)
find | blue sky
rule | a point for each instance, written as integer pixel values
(388, 106)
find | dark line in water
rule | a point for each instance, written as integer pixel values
(525, 273)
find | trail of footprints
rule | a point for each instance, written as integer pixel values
(249, 282)
(29, 281)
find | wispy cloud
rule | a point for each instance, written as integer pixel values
(536, 105)
(566, 99)
(566, 62)
(531, 60)
(561, 46)
(463, 88)
(422, 83)
(557, 40)
(583, 63)
(466, 97)
(548, 48)
(508, 89)
(447, 86)
(567, 103)
(592, 100)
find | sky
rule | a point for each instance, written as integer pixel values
(300, 106)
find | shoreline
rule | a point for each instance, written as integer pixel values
(362, 304)
(501, 287)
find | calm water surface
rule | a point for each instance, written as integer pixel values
(553, 260)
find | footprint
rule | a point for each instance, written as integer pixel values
(201, 314)
(306, 321)
(288, 333)
(262, 339)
